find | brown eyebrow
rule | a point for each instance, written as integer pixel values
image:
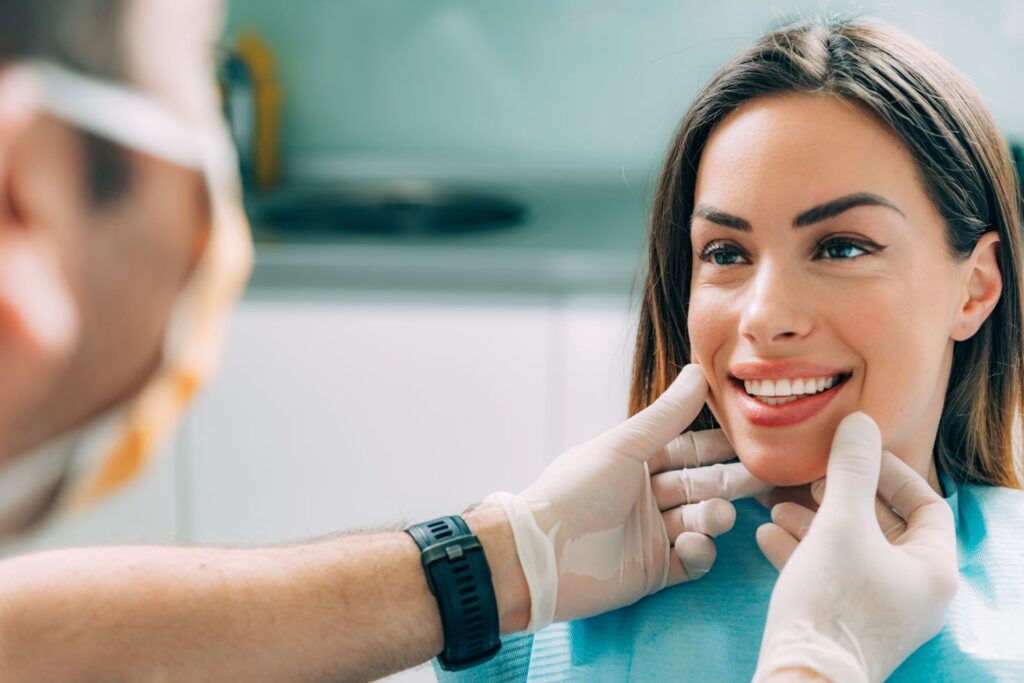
(829, 209)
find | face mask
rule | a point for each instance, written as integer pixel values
(107, 453)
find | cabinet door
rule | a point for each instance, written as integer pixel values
(593, 369)
(361, 412)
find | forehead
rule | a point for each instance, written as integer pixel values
(788, 152)
(170, 45)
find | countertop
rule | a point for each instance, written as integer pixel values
(583, 235)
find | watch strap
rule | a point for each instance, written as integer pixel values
(459, 576)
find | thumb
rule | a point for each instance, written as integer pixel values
(853, 468)
(652, 428)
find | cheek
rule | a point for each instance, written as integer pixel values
(711, 328)
(904, 360)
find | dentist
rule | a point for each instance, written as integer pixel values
(123, 245)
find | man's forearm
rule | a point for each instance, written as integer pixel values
(354, 608)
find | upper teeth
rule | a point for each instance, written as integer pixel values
(789, 387)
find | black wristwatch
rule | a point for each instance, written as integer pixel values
(460, 578)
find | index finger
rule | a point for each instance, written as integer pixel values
(647, 432)
(730, 481)
(693, 449)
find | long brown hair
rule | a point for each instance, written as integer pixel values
(967, 172)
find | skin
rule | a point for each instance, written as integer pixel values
(884, 300)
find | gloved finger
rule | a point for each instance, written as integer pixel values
(692, 449)
(928, 517)
(710, 517)
(647, 432)
(902, 488)
(853, 467)
(794, 518)
(676, 570)
(891, 524)
(692, 557)
(800, 494)
(818, 490)
(776, 544)
(729, 481)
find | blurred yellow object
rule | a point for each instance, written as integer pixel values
(267, 95)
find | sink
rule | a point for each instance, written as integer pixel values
(393, 209)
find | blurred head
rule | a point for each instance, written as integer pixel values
(96, 240)
(837, 228)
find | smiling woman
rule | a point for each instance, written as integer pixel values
(878, 250)
(836, 229)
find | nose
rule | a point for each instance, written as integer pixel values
(777, 309)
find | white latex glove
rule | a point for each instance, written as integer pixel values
(590, 532)
(849, 604)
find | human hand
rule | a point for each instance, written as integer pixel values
(591, 533)
(851, 602)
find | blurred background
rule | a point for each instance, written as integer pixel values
(449, 200)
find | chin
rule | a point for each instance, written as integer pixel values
(790, 466)
(784, 456)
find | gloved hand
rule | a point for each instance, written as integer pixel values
(592, 535)
(849, 604)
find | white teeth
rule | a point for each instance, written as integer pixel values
(779, 400)
(786, 390)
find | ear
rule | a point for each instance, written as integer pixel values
(982, 285)
(38, 319)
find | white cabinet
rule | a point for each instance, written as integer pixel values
(592, 371)
(367, 410)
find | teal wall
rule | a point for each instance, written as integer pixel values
(570, 84)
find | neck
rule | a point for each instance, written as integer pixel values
(932, 477)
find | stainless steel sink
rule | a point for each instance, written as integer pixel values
(391, 209)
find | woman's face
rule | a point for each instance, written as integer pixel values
(821, 285)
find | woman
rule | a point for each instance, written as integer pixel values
(837, 228)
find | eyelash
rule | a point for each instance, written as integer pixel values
(722, 246)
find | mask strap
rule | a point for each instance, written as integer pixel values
(116, 113)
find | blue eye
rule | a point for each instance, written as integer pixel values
(842, 249)
(722, 254)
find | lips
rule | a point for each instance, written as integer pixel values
(784, 394)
